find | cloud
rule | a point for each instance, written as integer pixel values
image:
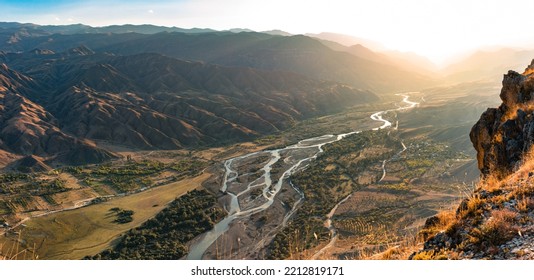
(150, 11)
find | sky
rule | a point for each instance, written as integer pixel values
(435, 29)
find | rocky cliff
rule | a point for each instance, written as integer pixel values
(503, 135)
(497, 220)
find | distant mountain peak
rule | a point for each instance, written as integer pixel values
(239, 30)
(277, 32)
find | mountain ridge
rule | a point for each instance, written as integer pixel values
(149, 101)
(297, 53)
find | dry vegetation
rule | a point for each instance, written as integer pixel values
(499, 210)
(380, 219)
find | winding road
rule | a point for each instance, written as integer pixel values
(310, 149)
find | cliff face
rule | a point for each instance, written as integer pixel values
(497, 220)
(503, 135)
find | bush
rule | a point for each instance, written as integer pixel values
(497, 230)
(123, 216)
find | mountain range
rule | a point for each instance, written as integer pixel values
(298, 54)
(152, 87)
(78, 98)
(487, 64)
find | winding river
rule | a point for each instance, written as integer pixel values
(309, 150)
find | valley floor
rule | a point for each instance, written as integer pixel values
(382, 184)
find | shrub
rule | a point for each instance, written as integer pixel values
(123, 216)
(498, 229)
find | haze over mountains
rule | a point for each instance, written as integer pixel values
(298, 54)
(71, 97)
(151, 87)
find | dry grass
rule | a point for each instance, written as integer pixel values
(523, 190)
(430, 255)
(446, 218)
(526, 167)
(499, 199)
(525, 204)
(441, 222)
(484, 214)
(491, 184)
(498, 229)
(402, 251)
(15, 252)
(474, 206)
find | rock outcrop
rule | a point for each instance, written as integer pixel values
(497, 220)
(503, 135)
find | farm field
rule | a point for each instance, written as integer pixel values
(86, 231)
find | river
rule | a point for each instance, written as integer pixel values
(312, 147)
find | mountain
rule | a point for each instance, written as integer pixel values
(412, 60)
(486, 65)
(298, 54)
(79, 98)
(347, 40)
(30, 164)
(357, 50)
(277, 32)
(239, 30)
(405, 61)
(495, 222)
(27, 128)
(30, 28)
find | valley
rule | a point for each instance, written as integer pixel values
(264, 191)
(339, 205)
(149, 142)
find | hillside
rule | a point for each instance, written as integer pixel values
(299, 54)
(406, 61)
(80, 98)
(27, 128)
(496, 221)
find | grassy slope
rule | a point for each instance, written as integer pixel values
(492, 223)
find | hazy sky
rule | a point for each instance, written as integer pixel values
(436, 29)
